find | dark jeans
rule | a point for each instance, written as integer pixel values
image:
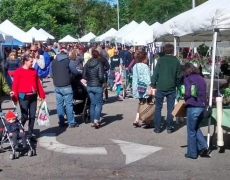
(28, 107)
(17, 135)
(160, 95)
(96, 98)
(195, 138)
(111, 78)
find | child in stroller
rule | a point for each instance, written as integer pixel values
(15, 130)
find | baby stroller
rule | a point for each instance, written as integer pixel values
(6, 139)
(81, 102)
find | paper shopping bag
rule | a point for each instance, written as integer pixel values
(146, 111)
(180, 109)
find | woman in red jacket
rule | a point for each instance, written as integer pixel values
(26, 86)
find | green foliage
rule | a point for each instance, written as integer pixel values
(78, 17)
(203, 49)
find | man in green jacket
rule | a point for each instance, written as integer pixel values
(165, 79)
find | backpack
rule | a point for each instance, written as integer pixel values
(43, 73)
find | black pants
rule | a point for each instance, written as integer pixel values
(28, 107)
(17, 135)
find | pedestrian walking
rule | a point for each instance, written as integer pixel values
(165, 79)
(118, 81)
(12, 63)
(94, 74)
(114, 62)
(26, 87)
(141, 73)
(61, 73)
(195, 104)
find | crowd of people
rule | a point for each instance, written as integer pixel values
(102, 68)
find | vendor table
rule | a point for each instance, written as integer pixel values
(225, 117)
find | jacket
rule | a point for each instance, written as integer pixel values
(12, 65)
(61, 72)
(93, 72)
(200, 100)
(27, 81)
(118, 79)
(43, 72)
(3, 85)
(167, 74)
(13, 127)
(105, 63)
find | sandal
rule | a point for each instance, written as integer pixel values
(96, 125)
(136, 124)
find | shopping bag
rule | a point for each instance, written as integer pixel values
(43, 115)
(114, 87)
(146, 110)
(179, 109)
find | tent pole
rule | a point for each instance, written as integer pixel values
(212, 81)
(175, 46)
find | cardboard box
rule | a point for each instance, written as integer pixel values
(180, 109)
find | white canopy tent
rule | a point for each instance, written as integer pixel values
(68, 39)
(6, 38)
(214, 14)
(139, 30)
(87, 37)
(37, 35)
(125, 31)
(11, 29)
(146, 36)
(119, 31)
(46, 33)
(109, 33)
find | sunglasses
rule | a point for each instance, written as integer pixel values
(33, 50)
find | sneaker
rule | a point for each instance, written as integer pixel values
(169, 131)
(205, 153)
(72, 126)
(157, 131)
(186, 156)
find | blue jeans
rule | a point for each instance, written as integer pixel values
(64, 94)
(195, 138)
(111, 78)
(96, 98)
(170, 95)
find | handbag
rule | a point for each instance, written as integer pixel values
(207, 112)
(147, 110)
(141, 86)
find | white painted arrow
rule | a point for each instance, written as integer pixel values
(134, 151)
(49, 142)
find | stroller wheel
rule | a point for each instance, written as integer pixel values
(17, 155)
(33, 152)
(85, 115)
(30, 153)
(12, 156)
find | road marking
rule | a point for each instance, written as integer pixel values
(134, 151)
(48, 141)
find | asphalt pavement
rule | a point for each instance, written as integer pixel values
(115, 151)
